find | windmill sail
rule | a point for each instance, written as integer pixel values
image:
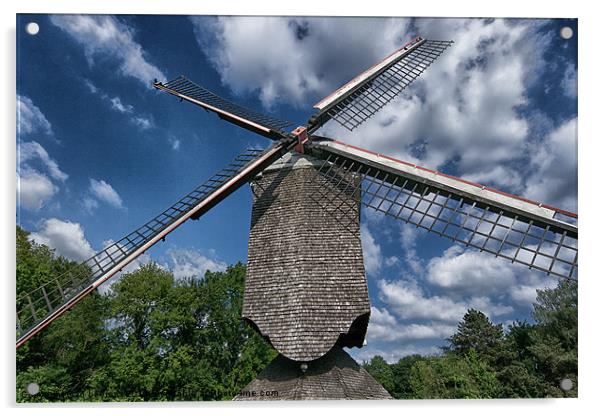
(37, 309)
(363, 96)
(526, 232)
(265, 125)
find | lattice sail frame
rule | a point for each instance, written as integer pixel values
(513, 231)
(358, 100)
(538, 241)
(255, 121)
(43, 305)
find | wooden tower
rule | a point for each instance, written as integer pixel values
(305, 290)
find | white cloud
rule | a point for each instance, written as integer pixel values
(90, 204)
(462, 110)
(105, 192)
(107, 36)
(90, 85)
(408, 238)
(175, 143)
(116, 104)
(525, 294)
(485, 305)
(101, 191)
(306, 57)
(31, 152)
(464, 273)
(144, 123)
(373, 259)
(555, 159)
(66, 237)
(37, 176)
(569, 81)
(381, 317)
(34, 190)
(471, 272)
(385, 327)
(29, 118)
(392, 261)
(191, 263)
(409, 301)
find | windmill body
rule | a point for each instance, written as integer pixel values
(305, 287)
(306, 290)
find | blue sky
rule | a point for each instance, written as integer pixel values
(100, 152)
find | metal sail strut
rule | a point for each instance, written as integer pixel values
(539, 236)
(254, 121)
(366, 94)
(37, 309)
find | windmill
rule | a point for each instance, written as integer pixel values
(305, 290)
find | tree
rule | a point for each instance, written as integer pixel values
(476, 332)
(62, 357)
(507, 355)
(453, 376)
(555, 311)
(154, 337)
(180, 339)
(382, 372)
(554, 340)
(518, 373)
(151, 338)
(37, 264)
(401, 376)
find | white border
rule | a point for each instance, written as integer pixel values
(589, 151)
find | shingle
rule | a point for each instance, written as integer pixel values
(305, 287)
(335, 376)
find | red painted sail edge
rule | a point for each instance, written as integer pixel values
(520, 198)
(351, 81)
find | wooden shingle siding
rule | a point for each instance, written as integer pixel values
(335, 376)
(305, 287)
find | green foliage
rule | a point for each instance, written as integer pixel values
(402, 375)
(65, 354)
(180, 340)
(152, 338)
(37, 265)
(382, 372)
(476, 332)
(54, 382)
(529, 360)
(453, 376)
(554, 338)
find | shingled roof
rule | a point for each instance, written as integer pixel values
(335, 376)
(305, 287)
